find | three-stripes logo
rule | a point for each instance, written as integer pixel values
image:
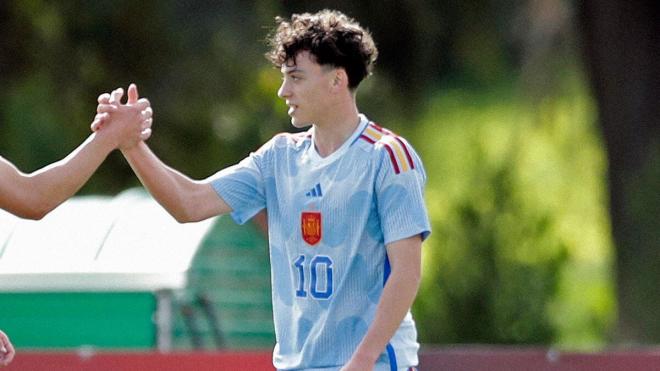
(315, 192)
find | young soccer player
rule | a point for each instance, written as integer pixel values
(34, 195)
(344, 201)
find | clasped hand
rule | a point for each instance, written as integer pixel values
(125, 124)
(6, 350)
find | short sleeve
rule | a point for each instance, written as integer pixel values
(241, 186)
(399, 188)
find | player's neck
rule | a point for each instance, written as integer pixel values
(331, 132)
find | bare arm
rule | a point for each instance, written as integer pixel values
(186, 199)
(397, 298)
(34, 195)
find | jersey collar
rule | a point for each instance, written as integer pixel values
(314, 156)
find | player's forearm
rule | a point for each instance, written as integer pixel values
(397, 298)
(45, 189)
(169, 187)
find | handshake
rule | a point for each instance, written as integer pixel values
(123, 125)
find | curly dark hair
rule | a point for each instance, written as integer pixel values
(331, 37)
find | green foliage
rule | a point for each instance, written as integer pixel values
(515, 195)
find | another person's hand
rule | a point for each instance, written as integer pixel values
(6, 350)
(126, 124)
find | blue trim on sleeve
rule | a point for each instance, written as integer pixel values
(390, 350)
(392, 357)
(388, 269)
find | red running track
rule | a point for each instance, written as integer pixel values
(471, 358)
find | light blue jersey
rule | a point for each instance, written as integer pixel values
(329, 220)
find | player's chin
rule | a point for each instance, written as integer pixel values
(298, 123)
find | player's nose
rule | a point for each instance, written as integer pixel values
(284, 91)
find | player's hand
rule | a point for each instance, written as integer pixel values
(7, 351)
(127, 124)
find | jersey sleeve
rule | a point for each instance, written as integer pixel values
(399, 188)
(241, 186)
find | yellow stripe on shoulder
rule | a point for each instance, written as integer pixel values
(373, 133)
(398, 151)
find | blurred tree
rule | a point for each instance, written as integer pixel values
(519, 252)
(622, 53)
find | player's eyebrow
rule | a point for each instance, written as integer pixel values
(288, 70)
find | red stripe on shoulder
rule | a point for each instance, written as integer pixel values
(362, 136)
(381, 129)
(377, 127)
(392, 158)
(398, 139)
(405, 149)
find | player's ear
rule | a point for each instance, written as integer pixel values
(340, 79)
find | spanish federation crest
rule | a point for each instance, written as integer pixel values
(311, 227)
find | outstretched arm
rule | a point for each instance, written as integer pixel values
(6, 350)
(187, 200)
(35, 194)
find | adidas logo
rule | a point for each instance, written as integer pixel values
(315, 192)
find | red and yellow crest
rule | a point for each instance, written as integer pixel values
(311, 227)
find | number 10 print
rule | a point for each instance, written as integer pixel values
(319, 265)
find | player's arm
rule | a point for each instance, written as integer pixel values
(397, 298)
(187, 200)
(6, 350)
(35, 194)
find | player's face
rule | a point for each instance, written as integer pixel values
(306, 88)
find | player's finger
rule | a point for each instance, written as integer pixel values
(103, 98)
(145, 134)
(115, 96)
(146, 124)
(105, 107)
(132, 94)
(147, 113)
(98, 122)
(142, 103)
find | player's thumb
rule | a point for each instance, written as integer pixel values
(132, 94)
